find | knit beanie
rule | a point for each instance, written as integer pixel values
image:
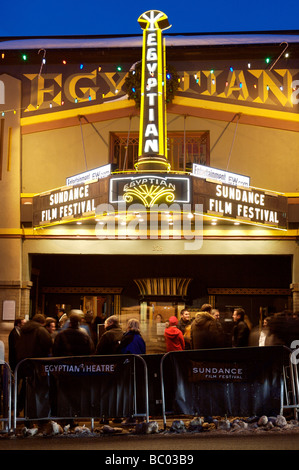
(173, 321)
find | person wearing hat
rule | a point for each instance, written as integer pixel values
(174, 338)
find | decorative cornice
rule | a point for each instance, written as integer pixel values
(247, 291)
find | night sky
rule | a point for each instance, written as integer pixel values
(71, 17)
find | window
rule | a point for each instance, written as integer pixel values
(183, 149)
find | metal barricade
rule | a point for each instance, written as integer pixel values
(291, 385)
(80, 387)
(5, 399)
(218, 382)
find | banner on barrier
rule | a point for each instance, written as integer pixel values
(219, 382)
(91, 386)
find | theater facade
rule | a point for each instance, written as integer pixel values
(141, 174)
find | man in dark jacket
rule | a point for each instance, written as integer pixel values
(109, 342)
(205, 333)
(184, 321)
(73, 340)
(240, 331)
(13, 339)
(35, 341)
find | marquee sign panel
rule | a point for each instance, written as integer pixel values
(69, 203)
(150, 189)
(248, 205)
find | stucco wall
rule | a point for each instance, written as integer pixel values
(268, 156)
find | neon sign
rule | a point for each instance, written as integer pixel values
(245, 205)
(68, 203)
(150, 189)
(152, 152)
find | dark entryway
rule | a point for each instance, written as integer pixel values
(206, 271)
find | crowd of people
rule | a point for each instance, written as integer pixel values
(205, 331)
(71, 335)
(76, 334)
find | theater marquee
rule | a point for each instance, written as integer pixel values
(69, 203)
(248, 205)
(206, 191)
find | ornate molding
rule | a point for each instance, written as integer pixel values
(163, 287)
(82, 290)
(247, 291)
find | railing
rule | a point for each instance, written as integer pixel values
(232, 381)
(84, 387)
(291, 385)
(216, 382)
(5, 396)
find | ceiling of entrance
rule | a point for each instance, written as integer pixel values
(205, 270)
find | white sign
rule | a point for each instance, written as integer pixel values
(90, 175)
(208, 173)
(9, 310)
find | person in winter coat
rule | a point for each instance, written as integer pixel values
(35, 341)
(73, 340)
(184, 321)
(174, 338)
(13, 338)
(109, 342)
(240, 336)
(132, 341)
(205, 333)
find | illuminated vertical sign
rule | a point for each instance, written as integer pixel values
(152, 153)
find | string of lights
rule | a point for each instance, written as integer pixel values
(269, 61)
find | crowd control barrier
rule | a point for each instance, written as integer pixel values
(86, 387)
(5, 396)
(291, 383)
(250, 381)
(218, 382)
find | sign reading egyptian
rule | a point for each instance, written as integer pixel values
(248, 205)
(255, 88)
(150, 189)
(152, 151)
